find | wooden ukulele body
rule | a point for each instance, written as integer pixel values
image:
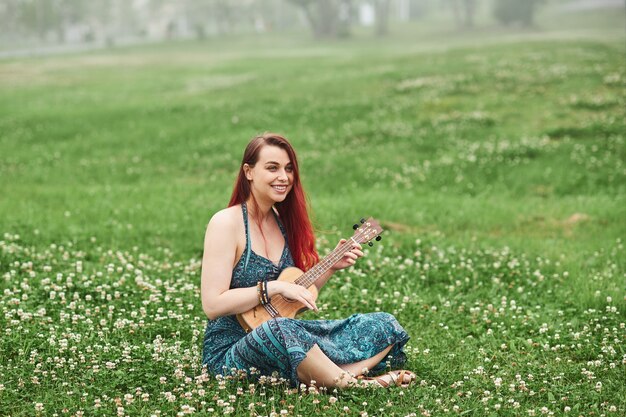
(284, 307)
(258, 315)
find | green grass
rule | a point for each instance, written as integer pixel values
(494, 159)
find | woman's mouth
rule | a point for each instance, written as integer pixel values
(280, 188)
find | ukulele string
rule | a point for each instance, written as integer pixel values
(281, 302)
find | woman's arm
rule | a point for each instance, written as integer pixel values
(220, 248)
(348, 259)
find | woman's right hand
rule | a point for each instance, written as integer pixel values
(293, 292)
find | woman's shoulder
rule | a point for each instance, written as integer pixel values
(229, 217)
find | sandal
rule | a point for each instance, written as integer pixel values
(397, 379)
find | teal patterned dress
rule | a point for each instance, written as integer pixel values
(280, 344)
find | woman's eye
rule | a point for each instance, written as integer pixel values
(289, 169)
(272, 168)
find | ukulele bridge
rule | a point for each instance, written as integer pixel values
(271, 310)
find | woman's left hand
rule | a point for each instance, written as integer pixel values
(350, 256)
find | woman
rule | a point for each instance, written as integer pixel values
(264, 230)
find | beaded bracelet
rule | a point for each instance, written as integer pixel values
(266, 297)
(259, 292)
(261, 289)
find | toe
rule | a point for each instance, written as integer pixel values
(407, 377)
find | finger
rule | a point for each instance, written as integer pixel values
(311, 300)
(308, 304)
(350, 256)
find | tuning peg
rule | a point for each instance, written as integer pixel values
(370, 244)
(378, 238)
(356, 226)
(362, 220)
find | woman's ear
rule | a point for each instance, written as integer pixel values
(247, 171)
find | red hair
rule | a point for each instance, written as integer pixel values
(292, 210)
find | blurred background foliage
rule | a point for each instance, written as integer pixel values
(28, 23)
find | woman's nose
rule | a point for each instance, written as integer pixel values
(282, 175)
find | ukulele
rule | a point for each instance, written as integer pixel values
(280, 306)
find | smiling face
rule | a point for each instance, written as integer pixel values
(271, 178)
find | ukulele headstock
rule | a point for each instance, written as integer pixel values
(368, 229)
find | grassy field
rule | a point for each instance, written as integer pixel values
(494, 159)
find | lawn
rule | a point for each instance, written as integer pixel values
(495, 161)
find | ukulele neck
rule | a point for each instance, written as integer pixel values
(315, 273)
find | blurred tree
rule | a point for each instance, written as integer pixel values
(37, 17)
(512, 11)
(418, 8)
(224, 14)
(327, 18)
(381, 10)
(221, 16)
(198, 15)
(44, 18)
(69, 12)
(275, 15)
(464, 11)
(9, 16)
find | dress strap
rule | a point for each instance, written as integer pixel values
(248, 250)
